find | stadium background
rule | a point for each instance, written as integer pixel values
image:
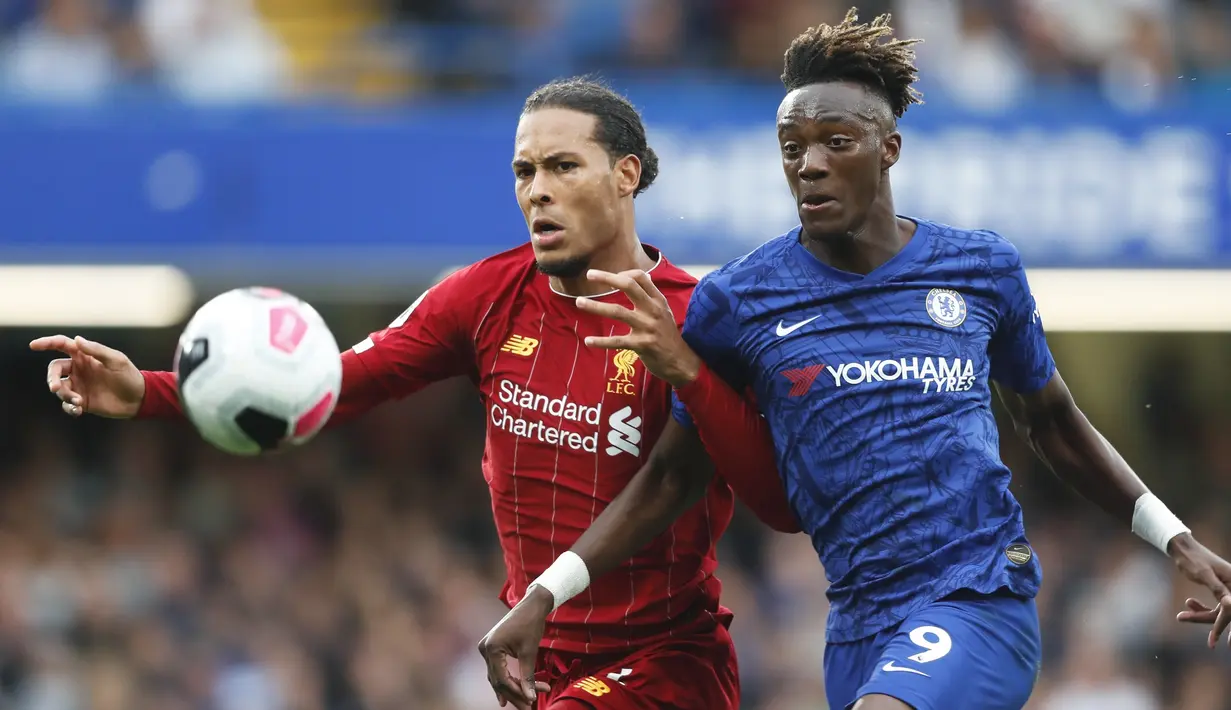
(353, 150)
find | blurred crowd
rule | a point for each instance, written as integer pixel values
(984, 53)
(140, 570)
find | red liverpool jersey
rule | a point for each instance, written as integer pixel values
(567, 428)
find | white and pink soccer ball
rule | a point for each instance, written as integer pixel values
(257, 369)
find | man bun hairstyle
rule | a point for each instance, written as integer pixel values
(618, 127)
(862, 53)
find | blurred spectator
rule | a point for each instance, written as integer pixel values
(64, 54)
(1094, 681)
(214, 51)
(966, 51)
(989, 55)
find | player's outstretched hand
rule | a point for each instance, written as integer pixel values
(517, 635)
(654, 334)
(93, 378)
(1204, 567)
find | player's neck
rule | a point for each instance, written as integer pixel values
(624, 254)
(880, 238)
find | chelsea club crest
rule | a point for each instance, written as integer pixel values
(946, 307)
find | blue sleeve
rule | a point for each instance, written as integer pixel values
(1019, 354)
(710, 329)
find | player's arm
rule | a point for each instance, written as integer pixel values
(735, 435)
(429, 341)
(1046, 416)
(361, 392)
(737, 438)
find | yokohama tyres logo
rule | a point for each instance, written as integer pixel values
(933, 374)
(625, 434)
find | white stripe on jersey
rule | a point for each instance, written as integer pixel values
(516, 443)
(555, 471)
(594, 498)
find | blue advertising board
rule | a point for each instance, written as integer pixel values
(404, 192)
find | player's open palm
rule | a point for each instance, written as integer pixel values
(93, 378)
(517, 635)
(653, 333)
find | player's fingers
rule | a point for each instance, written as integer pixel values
(613, 311)
(1197, 617)
(68, 395)
(1221, 595)
(63, 343)
(1196, 605)
(1196, 613)
(502, 681)
(57, 370)
(526, 655)
(647, 284)
(529, 689)
(623, 282)
(107, 356)
(60, 383)
(1221, 620)
(73, 410)
(610, 342)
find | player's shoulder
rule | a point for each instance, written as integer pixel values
(675, 283)
(496, 271)
(752, 267)
(667, 275)
(987, 245)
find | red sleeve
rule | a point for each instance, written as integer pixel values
(360, 393)
(738, 441)
(430, 341)
(162, 396)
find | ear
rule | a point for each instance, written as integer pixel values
(891, 150)
(627, 173)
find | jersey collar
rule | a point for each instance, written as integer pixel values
(648, 250)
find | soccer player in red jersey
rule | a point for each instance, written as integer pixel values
(569, 426)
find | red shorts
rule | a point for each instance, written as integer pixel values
(693, 670)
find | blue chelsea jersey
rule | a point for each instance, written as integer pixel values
(876, 390)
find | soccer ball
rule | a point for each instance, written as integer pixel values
(257, 369)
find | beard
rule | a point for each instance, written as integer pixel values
(570, 268)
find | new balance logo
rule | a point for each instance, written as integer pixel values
(802, 379)
(593, 686)
(519, 345)
(625, 434)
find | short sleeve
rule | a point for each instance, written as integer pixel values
(710, 329)
(1020, 358)
(430, 341)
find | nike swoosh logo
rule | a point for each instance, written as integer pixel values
(890, 667)
(787, 330)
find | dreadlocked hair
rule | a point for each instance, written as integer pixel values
(865, 53)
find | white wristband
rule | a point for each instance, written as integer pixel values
(567, 577)
(1154, 522)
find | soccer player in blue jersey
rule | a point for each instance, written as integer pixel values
(872, 342)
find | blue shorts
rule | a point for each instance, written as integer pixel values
(967, 651)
